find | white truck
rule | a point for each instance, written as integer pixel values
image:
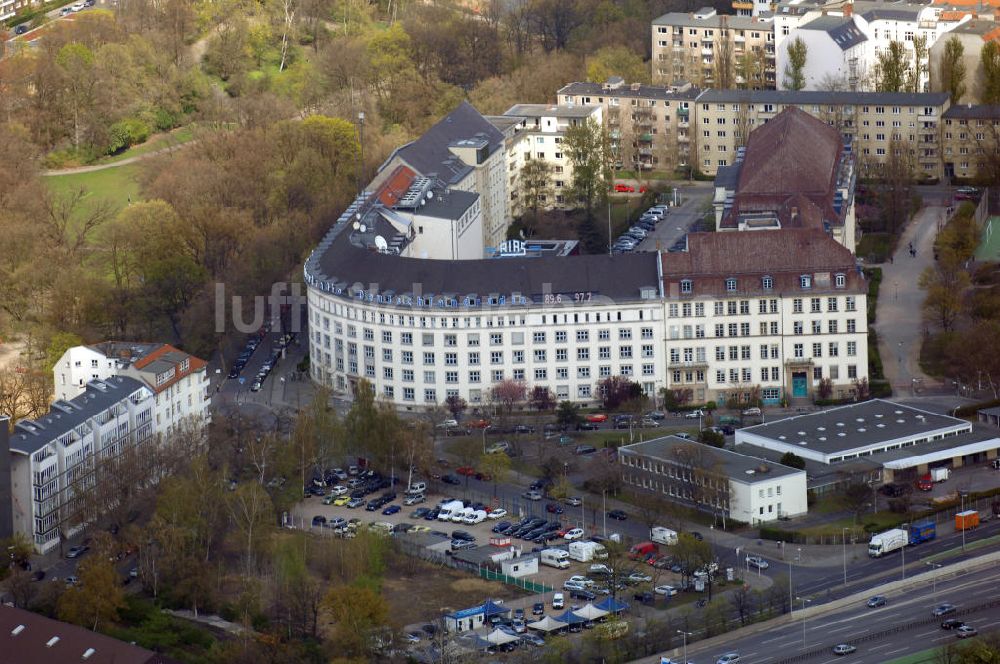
(448, 510)
(586, 551)
(887, 542)
(555, 558)
(662, 535)
(939, 474)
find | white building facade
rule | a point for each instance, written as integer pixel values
(54, 459)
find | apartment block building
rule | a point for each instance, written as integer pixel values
(179, 381)
(538, 131)
(708, 49)
(971, 141)
(973, 34)
(777, 310)
(649, 126)
(869, 121)
(72, 461)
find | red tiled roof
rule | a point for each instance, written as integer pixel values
(395, 186)
(784, 255)
(168, 353)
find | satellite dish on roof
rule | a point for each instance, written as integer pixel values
(380, 243)
(430, 194)
(362, 228)
(356, 225)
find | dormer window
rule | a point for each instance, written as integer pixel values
(686, 285)
(805, 281)
(730, 284)
(840, 280)
(767, 283)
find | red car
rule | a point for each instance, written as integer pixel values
(642, 189)
(479, 424)
(624, 189)
(597, 417)
(466, 470)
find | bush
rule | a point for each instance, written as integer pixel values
(126, 133)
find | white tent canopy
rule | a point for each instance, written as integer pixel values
(547, 624)
(590, 612)
(500, 637)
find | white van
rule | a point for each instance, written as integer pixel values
(558, 601)
(459, 516)
(477, 516)
(417, 487)
(448, 510)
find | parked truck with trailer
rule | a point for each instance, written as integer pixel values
(586, 551)
(662, 535)
(966, 520)
(887, 542)
(939, 474)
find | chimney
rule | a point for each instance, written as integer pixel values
(849, 9)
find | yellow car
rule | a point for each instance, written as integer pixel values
(342, 500)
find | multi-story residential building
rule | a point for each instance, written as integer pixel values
(649, 126)
(71, 464)
(870, 121)
(179, 381)
(838, 52)
(539, 130)
(463, 152)
(708, 49)
(718, 481)
(778, 310)
(971, 142)
(972, 35)
(796, 172)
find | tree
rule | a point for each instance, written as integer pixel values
(862, 391)
(825, 389)
(953, 69)
(251, 509)
(892, 69)
(371, 428)
(535, 180)
(691, 554)
(919, 63)
(568, 414)
(76, 63)
(618, 390)
(456, 405)
(617, 61)
(945, 282)
(496, 465)
(97, 599)
(713, 438)
(795, 78)
(792, 460)
(897, 179)
(990, 58)
(856, 497)
(588, 147)
(508, 393)
(724, 57)
(358, 612)
(541, 398)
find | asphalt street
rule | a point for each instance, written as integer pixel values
(904, 626)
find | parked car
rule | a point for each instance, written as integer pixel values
(584, 449)
(450, 479)
(319, 520)
(554, 508)
(497, 513)
(574, 501)
(538, 608)
(414, 499)
(77, 551)
(586, 595)
(694, 414)
(665, 590)
(391, 509)
(624, 188)
(21, 29)
(533, 495)
(618, 515)
(758, 562)
(573, 534)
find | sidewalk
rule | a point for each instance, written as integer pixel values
(899, 314)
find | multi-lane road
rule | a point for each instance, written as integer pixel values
(902, 627)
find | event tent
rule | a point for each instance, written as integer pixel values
(499, 637)
(591, 612)
(547, 624)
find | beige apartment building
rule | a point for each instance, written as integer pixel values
(649, 126)
(874, 123)
(971, 141)
(712, 50)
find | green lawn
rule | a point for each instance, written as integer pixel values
(116, 186)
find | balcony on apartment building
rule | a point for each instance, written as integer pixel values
(646, 137)
(687, 364)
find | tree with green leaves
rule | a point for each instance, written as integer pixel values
(568, 414)
(792, 460)
(795, 78)
(892, 69)
(990, 58)
(497, 465)
(919, 63)
(97, 599)
(535, 183)
(588, 147)
(621, 61)
(953, 69)
(371, 428)
(358, 613)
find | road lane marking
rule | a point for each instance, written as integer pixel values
(881, 645)
(893, 652)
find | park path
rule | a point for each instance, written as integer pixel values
(899, 313)
(114, 164)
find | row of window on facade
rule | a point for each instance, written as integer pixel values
(584, 392)
(771, 306)
(404, 320)
(766, 282)
(497, 375)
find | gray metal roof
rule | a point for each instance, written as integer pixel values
(64, 416)
(973, 112)
(842, 29)
(693, 21)
(824, 97)
(736, 466)
(665, 93)
(450, 206)
(854, 426)
(576, 111)
(429, 154)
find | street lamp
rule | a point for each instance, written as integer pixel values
(962, 497)
(485, 428)
(804, 602)
(684, 636)
(791, 604)
(906, 540)
(604, 495)
(933, 567)
(843, 542)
